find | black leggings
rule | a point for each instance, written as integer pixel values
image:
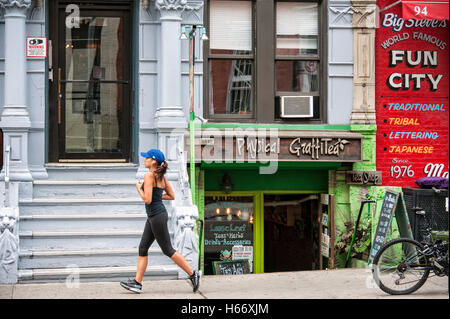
(156, 227)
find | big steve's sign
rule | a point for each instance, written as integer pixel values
(411, 93)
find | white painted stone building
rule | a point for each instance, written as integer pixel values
(114, 82)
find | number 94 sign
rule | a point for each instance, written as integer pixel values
(436, 9)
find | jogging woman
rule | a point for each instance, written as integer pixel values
(156, 226)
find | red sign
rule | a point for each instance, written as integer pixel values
(425, 10)
(412, 83)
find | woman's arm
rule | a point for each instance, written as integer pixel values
(146, 195)
(169, 195)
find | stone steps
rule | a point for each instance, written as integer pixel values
(86, 220)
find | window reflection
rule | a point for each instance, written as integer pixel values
(297, 76)
(93, 108)
(231, 86)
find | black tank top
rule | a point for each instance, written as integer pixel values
(156, 206)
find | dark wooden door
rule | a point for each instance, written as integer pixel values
(90, 106)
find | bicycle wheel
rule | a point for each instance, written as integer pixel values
(400, 267)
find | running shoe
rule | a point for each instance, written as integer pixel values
(132, 285)
(195, 280)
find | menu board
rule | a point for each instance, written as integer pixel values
(231, 267)
(386, 214)
(412, 83)
(223, 235)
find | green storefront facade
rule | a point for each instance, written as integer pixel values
(302, 192)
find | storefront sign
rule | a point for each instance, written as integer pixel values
(317, 148)
(36, 47)
(411, 94)
(223, 235)
(363, 178)
(304, 146)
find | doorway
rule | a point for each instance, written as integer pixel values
(291, 232)
(90, 107)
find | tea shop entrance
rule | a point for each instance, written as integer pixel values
(291, 232)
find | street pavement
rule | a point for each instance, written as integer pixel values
(325, 284)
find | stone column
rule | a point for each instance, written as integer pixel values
(171, 124)
(15, 120)
(170, 114)
(170, 121)
(364, 24)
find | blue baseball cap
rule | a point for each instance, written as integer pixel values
(155, 154)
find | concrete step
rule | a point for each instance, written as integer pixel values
(82, 221)
(80, 171)
(86, 205)
(79, 239)
(114, 257)
(71, 275)
(85, 189)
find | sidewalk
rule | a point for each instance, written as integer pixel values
(325, 284)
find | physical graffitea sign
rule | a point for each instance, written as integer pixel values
(243, 147)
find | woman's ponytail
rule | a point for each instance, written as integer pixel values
(161, 169)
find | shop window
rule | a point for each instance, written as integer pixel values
(228, 231)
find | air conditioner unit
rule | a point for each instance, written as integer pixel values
(296, 107)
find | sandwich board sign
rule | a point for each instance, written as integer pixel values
(393, 205)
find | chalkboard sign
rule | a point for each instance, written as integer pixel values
(223, 235)
(236, 267)
(386, 213)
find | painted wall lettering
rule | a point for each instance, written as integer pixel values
(412, 83)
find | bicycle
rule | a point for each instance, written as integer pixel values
(403, 265)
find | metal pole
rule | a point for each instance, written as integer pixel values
(192, 112)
